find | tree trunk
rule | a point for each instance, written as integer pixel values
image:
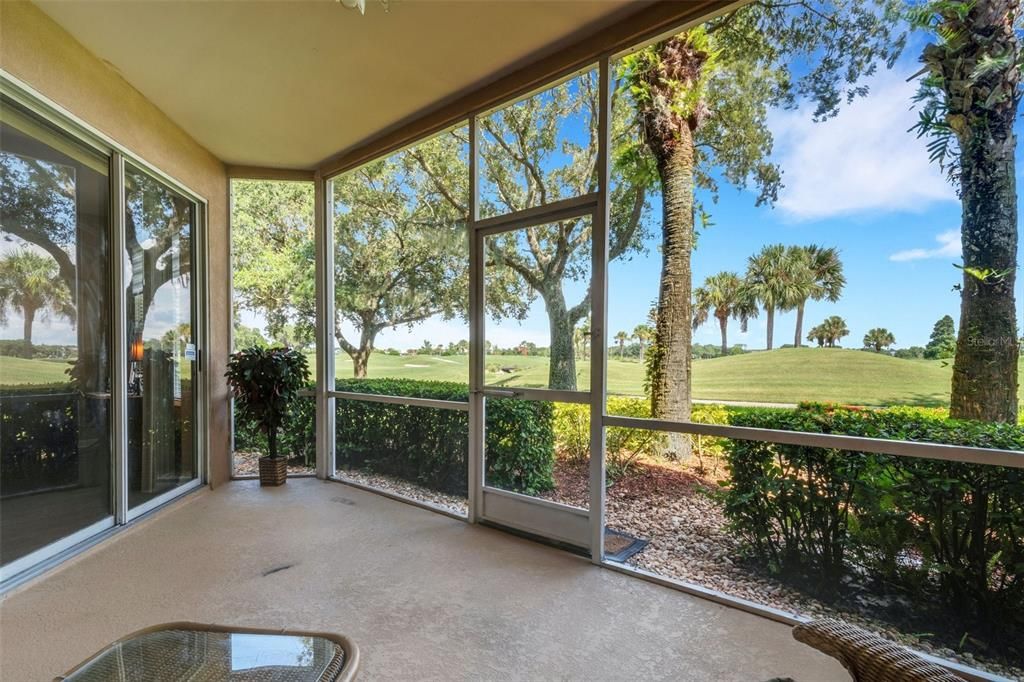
(985, 366)
(723, 324)
(360, 362)
(360, 355)
(670, 381)
(984, 383)
(799, 325)
(30, 317)
(981, 110)
(562, 367)
(770, 311)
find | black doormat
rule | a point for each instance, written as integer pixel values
(619, 546)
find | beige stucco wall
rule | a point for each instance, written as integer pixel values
(40, 53)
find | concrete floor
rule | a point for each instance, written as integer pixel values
(423, 596)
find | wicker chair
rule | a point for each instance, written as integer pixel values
(868, 657)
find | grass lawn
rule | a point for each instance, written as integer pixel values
(19, 371)
(781, 376)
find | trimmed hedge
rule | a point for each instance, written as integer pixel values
(917, 523)
(423, 445)
(38, 439)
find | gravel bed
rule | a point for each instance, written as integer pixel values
(247, 464)
(690, 541)
(397, 486)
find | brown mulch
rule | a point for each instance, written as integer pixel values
(647, 481)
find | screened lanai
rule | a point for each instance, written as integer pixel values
(637, 334)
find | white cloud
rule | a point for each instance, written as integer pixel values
(949, 247)
(863, 160)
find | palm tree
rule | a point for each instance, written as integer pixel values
(725, 295)
(817, 334)
(769, 276)
(621, 338)
(879, 338)
(31, 283)
(833, 329)
(643, 333)
(815, 273)
(584, 330)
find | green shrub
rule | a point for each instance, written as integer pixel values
(708, 450)
(572, 431)
(623, 446)
(426, 446)
(520, 445)
(918, 522)
(791, 503)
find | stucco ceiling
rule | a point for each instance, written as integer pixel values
(289, 83)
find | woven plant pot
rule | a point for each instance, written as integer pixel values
(273, 471)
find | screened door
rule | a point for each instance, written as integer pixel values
(535, 370)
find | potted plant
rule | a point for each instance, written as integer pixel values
(264, 383)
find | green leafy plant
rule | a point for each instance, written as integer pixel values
(264, 383)
(829, 513)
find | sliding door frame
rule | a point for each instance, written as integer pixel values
(120, 514)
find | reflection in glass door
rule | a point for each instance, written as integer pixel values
(55, 342)
(159, 228)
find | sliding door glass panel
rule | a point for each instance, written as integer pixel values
(55, 408)
(159, 232)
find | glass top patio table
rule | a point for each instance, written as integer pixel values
(204, 654)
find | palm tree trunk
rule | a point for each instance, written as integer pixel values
(799, 325)
(30, 316)
(982, 110)
(723, 324)
(670, 383)
(985, 366)
(770, 311)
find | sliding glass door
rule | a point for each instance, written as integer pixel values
(55, 343)
(99, 346)
(160, 307)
